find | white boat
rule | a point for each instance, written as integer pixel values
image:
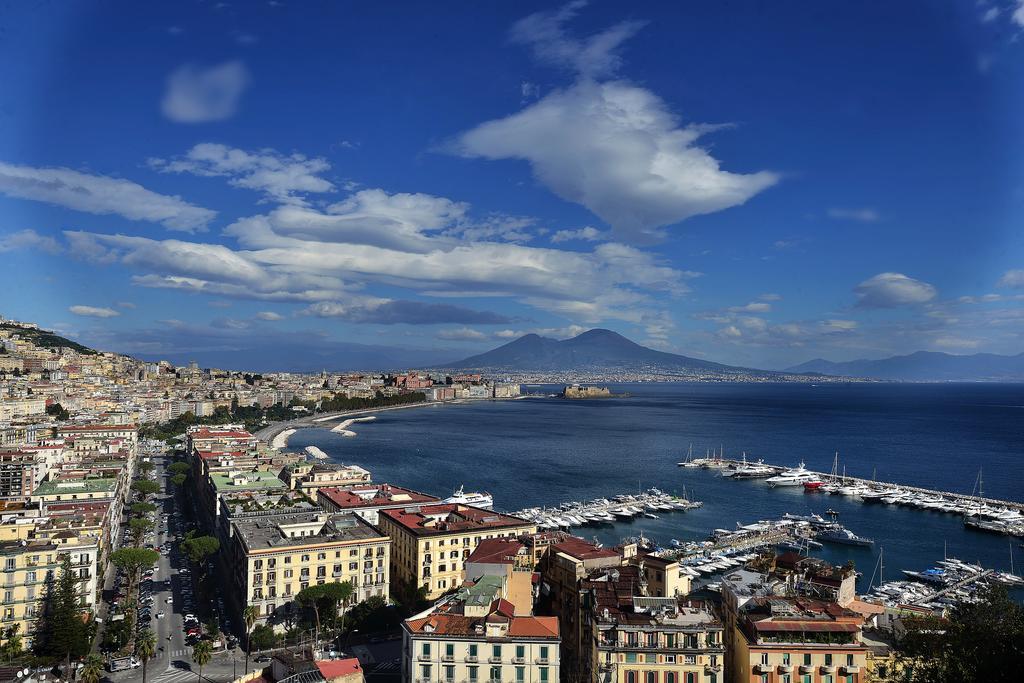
(792, 477)
(480, 500)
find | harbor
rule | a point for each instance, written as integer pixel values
(623, 507)
(979, 513)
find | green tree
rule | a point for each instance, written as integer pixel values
(12, 647)
(58, 411)
(179, 467)
(142, 509)
(262, 637)
(201, 654)
(981, 641)
(249, 615)
(178, 479)
(198, 548)
(139, 526)
(146, 466)
(92, 671)
(324, 599)
(145, 648)
(131, 561)
(145, 487)
(62, 635)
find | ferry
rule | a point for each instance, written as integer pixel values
(480, 500)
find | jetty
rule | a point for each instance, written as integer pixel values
(981, 513)
(622, 507)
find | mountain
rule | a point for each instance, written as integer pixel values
(925, 366)
(46, 339)
(593, 349)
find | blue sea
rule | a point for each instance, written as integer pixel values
(545, 450)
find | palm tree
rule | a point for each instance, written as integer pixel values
(145, 648)
(201, 653)
(92, 672)
(249, 614)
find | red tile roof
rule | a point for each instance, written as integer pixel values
(582, 550)
(334, 668)
(382, 494)
(496, 551)
(454, 519)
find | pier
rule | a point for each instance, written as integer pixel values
(622, 507)
(1007, 515)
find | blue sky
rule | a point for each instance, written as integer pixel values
(751, 183)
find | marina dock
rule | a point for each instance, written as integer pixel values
(620, 508)
(981, 513)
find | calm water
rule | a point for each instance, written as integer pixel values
(544, 451)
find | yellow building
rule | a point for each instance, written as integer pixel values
(475, 636)
(29, 563)
(430, 544)
(648, 639)
(277, 556)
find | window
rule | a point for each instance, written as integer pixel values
(630, 658)
(828, 659)
(849, 660)
(449, 673)
(425, 672)
(495, 673)
(689, 659)
(543, 675)
(473, 673)
(785, 658)
(764, 678)
(631, 677)
(671, 677)
(651, 677)
(807, 659)
(544, 653)
(764, 658)
(670, 640)
(472, 650)
(425, 651)
(496, 651)
(520, 651)
(520, 674)
(449, 649)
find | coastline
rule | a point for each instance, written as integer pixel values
(343, 427)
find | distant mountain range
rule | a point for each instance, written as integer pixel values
(925, 366)
(594, 349)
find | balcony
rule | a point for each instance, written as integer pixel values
(827, 669)
(542, 661)
(494, 660)
(806, 669)
(472, 659)
(785, 668)
(763, 668)
(849, 669)
(448, 658)
(519, 660)
(423, 658)
(712, 668)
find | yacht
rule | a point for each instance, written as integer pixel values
(480, 500)
(842, 535)
(796, 476)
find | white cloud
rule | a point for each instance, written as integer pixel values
(28, 239)
(269, 315)
(752, 307)
(592, 57)
(956, 343)
(196, 95)
(126, 304)
(1013, 279)
(462, 334)
(282, 177)
(1018, 14)
(587, 234)
(101, 195)
(889, 290)
(93, 311)
(863, 215)
(553, 332)
(768, 296)
(616, 149)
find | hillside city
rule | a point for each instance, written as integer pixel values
(155, 526)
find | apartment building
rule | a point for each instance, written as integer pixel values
(30, 563)
(311, 477)
(367, 500)
(475, 636)
(430, 544)
(783, 624)
(276, 556)
(640, 638)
